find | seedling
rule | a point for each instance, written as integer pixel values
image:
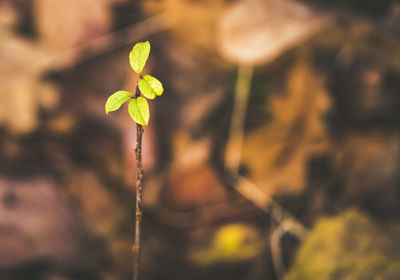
(138, 109)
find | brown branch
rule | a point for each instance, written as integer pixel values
(139, 196)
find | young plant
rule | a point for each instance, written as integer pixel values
(138, 109)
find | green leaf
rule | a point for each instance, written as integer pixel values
(139, 110)
(115, 101)
(139, 55)
(150, 87)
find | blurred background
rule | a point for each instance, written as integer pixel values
(272, 154)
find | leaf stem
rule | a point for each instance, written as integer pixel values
(236, 132)
(139, 195)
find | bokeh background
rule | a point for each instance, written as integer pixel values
(273, 153)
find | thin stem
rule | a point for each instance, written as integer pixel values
(236, 133)
(139, 195)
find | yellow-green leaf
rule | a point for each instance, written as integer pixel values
(139, 110)
(139, 55)
(150, 87)
(115, 101)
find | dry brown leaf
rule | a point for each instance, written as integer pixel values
(22, 91)
(277, 153)
(257, 31)
(64, 24)
(195, 21)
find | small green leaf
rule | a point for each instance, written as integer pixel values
(139, 110)
(115, 101)
(139, 55)
(150, 87)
